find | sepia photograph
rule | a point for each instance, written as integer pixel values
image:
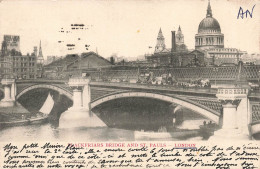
(113, 70)
(111, 84)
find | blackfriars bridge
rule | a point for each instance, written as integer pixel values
(240, 106)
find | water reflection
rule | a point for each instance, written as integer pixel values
(46, 132)
(123, 117)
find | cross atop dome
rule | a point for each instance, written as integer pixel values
(209, 11)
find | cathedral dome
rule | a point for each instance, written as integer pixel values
(209, 24)
(209, 34)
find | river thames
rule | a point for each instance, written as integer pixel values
(47, 132)
(123, 117)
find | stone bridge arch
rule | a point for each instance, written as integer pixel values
(61, 90)
(200, 109)
(2, 92)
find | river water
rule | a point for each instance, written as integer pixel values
(123, 117)
(47, 132)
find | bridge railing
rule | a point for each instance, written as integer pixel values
(255, 113)
(212, 73)
(160, 87)
(42, 80)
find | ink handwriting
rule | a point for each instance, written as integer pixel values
(241, 13)
(56, 155)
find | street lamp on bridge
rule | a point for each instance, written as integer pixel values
(215, 69)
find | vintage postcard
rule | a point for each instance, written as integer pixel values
(129, 84)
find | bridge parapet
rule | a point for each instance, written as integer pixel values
(221, 73)
(41, 80)
(7, 81)
(75, 82)
(232, 93)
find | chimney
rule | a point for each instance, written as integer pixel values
(173, 42)
(35, 50)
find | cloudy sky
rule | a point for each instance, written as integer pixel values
(123, 27)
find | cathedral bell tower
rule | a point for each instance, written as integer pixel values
(160, 45)
(179, 37)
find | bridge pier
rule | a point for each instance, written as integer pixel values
(77, 98)
(79, 115)
(86, 99)
(230, 114)
(244, 116)
(235, 114)
(9, 93)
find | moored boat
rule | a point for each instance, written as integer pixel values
(208, 130)
(38, 120)
(44, 112)
(14, 123)
(41, 117)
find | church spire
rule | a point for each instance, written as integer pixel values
(40, 56)
(179, 29)
(160, 35)
(209, 11)
(160, 46)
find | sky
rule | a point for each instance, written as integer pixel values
(126, 28)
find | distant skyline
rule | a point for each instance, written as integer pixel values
(126, 28)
